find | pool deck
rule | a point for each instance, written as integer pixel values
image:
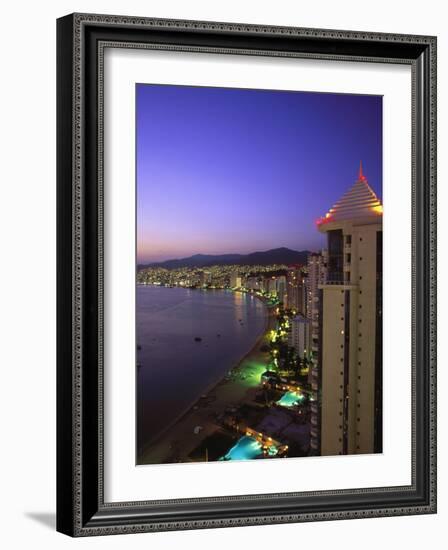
(243, 382)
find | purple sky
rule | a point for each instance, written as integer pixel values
(227, 170)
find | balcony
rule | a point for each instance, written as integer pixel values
(341, 283)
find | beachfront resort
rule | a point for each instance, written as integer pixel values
(312, 384)
(262, 407)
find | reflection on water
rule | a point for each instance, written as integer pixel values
(238, 304)
(174, 367)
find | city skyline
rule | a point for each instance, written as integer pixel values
(224, 171)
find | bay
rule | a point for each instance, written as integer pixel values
(174, 369)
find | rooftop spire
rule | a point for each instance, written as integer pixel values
(361, 176)
(358, 202)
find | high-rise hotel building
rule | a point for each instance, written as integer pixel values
(351, 325)
(295, 290)
(317, 275)
(298, 337)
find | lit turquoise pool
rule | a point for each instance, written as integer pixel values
(290, 398)
(245, 448)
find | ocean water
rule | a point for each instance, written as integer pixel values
(174, 369)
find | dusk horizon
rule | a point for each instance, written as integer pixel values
(168, 257)
(259, 274)
(230, 171)
(228, 253)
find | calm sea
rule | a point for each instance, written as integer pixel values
(175, 369)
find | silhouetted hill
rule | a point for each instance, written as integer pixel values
(267, 257)
(198, 260)
(276, 256)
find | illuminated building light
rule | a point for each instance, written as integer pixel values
(272, 451)
(378, 209)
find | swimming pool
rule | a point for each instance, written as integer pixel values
(290, 398)
(246, 448)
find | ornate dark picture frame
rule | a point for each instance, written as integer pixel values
(81, 509)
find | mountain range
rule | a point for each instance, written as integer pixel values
(266, 257)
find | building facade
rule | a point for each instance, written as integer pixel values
(351, 325)
(236, 281)
(205, 278)
(254, 283)
(280, 289)
(298, 336)
(295, 290)
(317, 274)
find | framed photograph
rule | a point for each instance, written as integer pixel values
(246, 274)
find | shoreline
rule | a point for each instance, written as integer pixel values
(178, 440)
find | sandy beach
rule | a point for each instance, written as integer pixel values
(240, 385)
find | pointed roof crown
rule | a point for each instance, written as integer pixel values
(360, 201)
(361, 176)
